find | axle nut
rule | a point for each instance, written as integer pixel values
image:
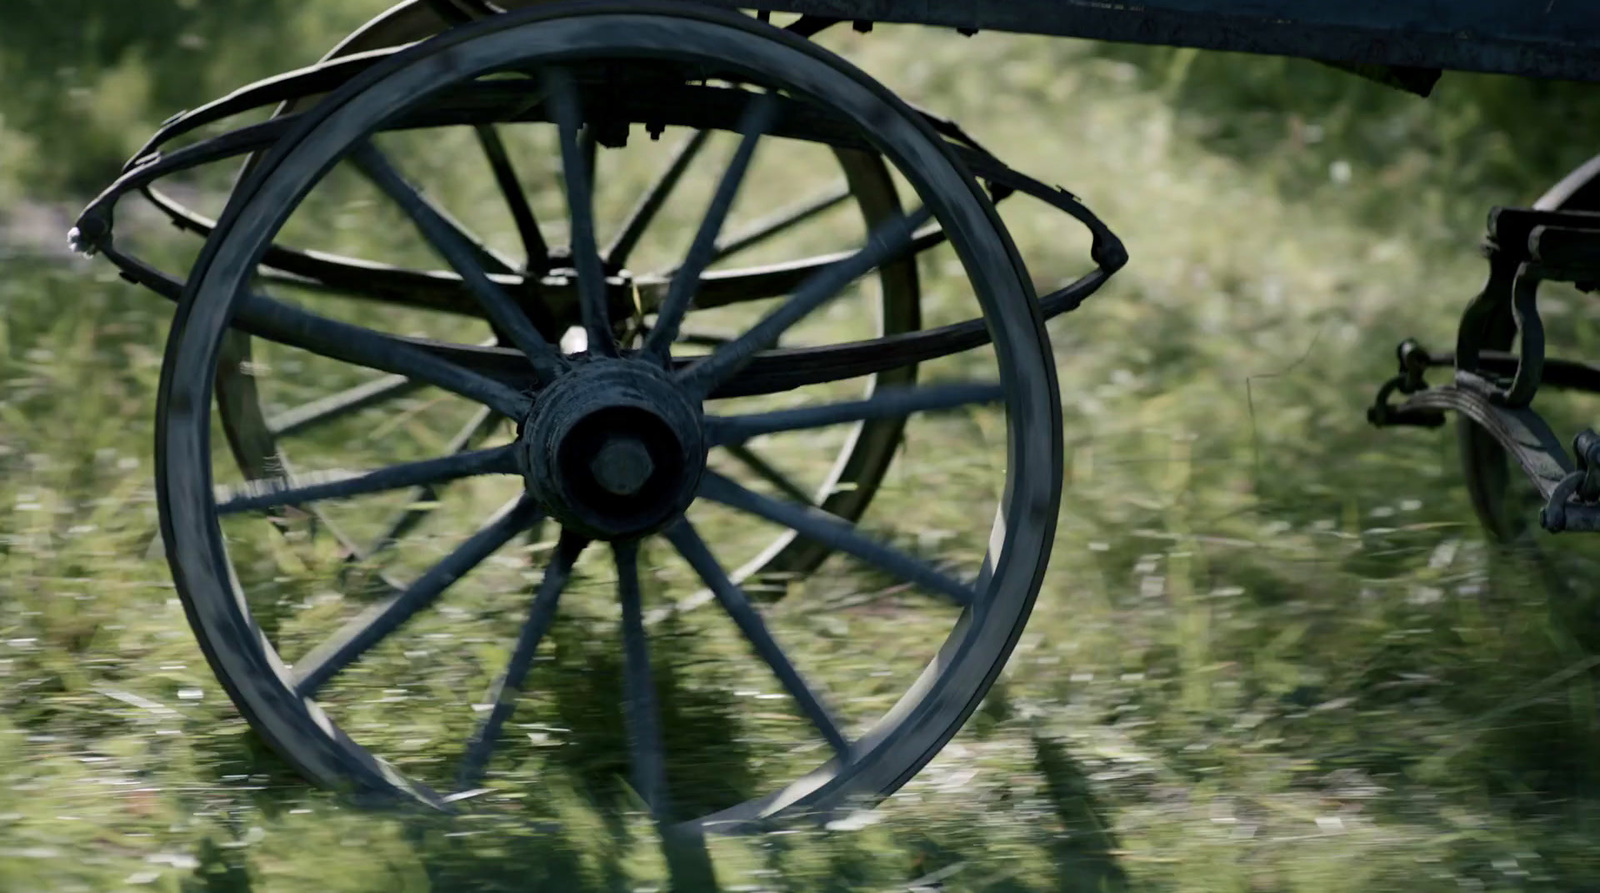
(622, 465)
(613, 449)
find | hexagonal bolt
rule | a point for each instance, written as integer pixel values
(622, 465)
(1586, 448)
(1586, 454)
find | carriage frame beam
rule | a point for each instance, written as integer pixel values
(1557, 39)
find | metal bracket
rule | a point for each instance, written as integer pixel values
(1508, 305)
(1574, 505)
(1525, 248)
(1559, 374)
(1571, 489)
(1495, 386)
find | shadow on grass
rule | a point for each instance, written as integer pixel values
(531, 848)
(580, 829)
(595, 841)
(1084, 853)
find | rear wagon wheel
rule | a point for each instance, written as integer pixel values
(612, 446)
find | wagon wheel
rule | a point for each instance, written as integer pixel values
(262, 442)
(611, 445)
(1506, 504)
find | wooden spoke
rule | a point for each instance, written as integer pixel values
(890, 239)
(536, 252)
(310, 416)
(482, 255)
(639, 691)
(829, 530)
(885, 404)
(753, 461)
(745, 616)
(419, 505)
(286, 324)
(760, 115)
(269, 494)
(779, 223)
(742, 285)
(448, 241)
(576, 169)
(382, 619)
(644, 213)
(503, 698)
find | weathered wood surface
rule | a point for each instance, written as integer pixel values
(1534, 38)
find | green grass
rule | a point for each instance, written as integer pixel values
(1272, 653)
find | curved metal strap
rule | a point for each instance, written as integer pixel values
(502, 102)
(480, 102)
(1521, 432)
(1507, 306)
(290, 86)
(771, 371)
(1525, 309)
(1524, 436)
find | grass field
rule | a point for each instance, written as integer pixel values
(1272, 653)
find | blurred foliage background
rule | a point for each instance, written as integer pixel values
(1273, 653)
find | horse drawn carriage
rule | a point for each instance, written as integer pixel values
(618, 394)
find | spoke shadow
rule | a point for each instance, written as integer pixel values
(709, 767)
(581, 828)
(529, 851)
(1084, 852)
(1558, 768)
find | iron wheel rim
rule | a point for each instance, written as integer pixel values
(968, 661)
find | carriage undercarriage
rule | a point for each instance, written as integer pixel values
(616, 417)
(1499, 365)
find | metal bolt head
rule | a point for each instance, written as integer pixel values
(1585, 446)
(80, 243)
(622, 465)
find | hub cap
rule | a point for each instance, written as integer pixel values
(613, 449)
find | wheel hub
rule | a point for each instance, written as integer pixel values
(613, 449)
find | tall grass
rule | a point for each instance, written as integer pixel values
(1273, 653)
